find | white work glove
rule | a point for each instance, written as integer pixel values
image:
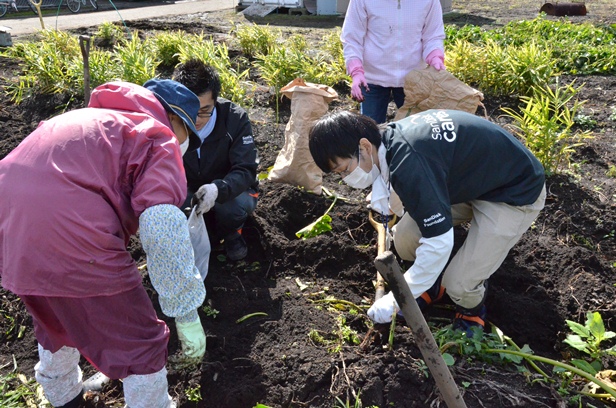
(204, 198)
(383, 309)
(192, 338)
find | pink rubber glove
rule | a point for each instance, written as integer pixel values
(436, 59)
(356, 71)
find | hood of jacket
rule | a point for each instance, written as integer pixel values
(129, 97)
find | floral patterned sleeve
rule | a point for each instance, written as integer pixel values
(171, 264)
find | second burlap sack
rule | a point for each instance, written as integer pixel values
(294, 164)
(431, 89)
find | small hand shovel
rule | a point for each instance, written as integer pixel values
(382, 246)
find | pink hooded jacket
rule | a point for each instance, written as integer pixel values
(73, 191)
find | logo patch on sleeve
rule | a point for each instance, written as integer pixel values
(247, 140)
(433, 219)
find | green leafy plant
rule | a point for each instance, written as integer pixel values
(575, 48)
(109, 32)
(497, 347)
(585, 121)
(167, 46)
(255, 39)
(104, 67)
(340, 304)
(498, 69)
(210, 311)
(193, 394)
(345, 333)
(322, 224)
(297, 42)
(137, 59)
(281, 65)
(587, 338)
(545, 124)
(216, 55)
(52, 65)
(342, 335)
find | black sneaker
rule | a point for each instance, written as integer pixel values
(236, 248)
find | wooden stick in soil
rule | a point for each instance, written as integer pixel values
(388, 266)
(84, 44)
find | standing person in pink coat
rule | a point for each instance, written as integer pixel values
(384, 40)
(73, 193)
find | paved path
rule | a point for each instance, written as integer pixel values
(126, 11)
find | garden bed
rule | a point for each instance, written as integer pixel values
(561, 269)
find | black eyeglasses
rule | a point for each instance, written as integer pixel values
(347, 171)
(202, 114)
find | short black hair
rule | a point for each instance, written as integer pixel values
(337, 135)
(199, 77)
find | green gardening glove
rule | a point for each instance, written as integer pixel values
(192, 337)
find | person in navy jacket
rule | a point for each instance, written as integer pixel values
(447, 167)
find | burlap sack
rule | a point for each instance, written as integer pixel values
(431, 89)
(294, 164)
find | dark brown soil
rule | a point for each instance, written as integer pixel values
(561, 269)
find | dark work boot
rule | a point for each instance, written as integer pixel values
(235, 246)
(76, 402)
(434, 294)
(466, 319)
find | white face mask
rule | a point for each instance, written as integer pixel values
(184, 145)
(359, 178)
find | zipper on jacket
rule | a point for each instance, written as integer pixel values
(398, 4)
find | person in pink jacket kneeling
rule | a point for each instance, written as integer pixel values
(383, 41)
(74, 191)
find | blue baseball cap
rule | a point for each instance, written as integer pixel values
(178, 99)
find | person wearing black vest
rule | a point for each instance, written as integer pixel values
(222, 174)
(448, 167)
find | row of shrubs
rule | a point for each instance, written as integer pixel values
(523, 58)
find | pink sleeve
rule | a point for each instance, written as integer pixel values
(355, 66)
(433, 32)
(354, 30)
(159, 178)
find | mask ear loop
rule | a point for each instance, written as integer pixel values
(186, 130)
(386, 217)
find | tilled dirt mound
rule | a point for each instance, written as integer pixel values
(286, 356)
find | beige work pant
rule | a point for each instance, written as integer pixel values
(494, 230)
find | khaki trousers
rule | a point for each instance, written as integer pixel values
(494, 230)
